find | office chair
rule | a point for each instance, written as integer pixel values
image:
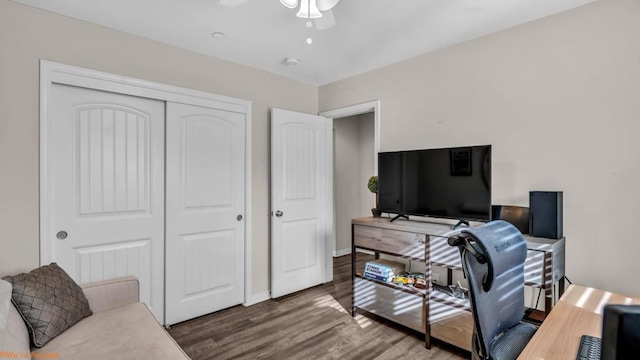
(493, 257)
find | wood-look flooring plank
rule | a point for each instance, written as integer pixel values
(409, 348)
(310, 324)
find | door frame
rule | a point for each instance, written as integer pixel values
(359, 109)
(55, 73)
(351, 110)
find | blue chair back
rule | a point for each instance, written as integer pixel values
(493, 257)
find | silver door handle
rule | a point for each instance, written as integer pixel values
(279, 213)
(61, 235)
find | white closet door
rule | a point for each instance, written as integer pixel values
(106, 185)
(205, 210)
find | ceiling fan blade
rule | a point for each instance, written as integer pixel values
(289, 3)
(232, 3)
(326, 21)
(325, 5)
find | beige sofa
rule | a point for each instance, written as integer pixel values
(121, 327)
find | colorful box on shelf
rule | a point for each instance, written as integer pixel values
(382, 270)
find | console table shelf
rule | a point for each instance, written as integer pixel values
(449, 300)
(386, 252)
(408, 289)
(431, 311)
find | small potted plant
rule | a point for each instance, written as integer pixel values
(373, 187)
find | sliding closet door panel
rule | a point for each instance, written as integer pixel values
(106, 172)
(205, 210)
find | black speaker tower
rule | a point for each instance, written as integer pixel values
(545, 214)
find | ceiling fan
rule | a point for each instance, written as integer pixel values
(318, 10)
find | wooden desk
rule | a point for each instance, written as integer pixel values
(579, 312)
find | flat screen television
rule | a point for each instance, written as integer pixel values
(452, 183)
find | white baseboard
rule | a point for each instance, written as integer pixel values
(365, 251)
(257, 298)
(341, 252)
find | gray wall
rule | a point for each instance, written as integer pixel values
(28, 35)
(558, 98)
(353, 166)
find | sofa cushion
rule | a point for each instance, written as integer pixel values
(126, 332)
(49, 301)
(112, 293)
(14, 337)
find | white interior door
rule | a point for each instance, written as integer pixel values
(301, 200)
(106, 188)
(205, 210)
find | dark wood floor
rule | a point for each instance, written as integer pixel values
(311, 324)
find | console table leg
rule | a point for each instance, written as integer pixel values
(547, 278)
(353, 275)
(427, 338)
(426, 302)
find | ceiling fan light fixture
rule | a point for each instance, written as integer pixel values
(289, 3)
(309, 10)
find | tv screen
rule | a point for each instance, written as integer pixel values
(453, 183)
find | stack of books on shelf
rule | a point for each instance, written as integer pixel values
(383, 270)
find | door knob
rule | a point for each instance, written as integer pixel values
(279, 213)
(239, 217)
(61, 235)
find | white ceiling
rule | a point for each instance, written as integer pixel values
(261, 33)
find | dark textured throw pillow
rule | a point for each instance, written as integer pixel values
(49, 301)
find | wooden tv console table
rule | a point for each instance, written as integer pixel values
(430, 311)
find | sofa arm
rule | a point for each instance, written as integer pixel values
(112, 293)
